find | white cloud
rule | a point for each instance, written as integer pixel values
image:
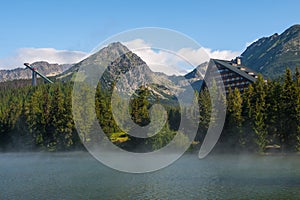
(157, 59)
(136, 44)
(222, 54)
(175, 63)
(50, 55)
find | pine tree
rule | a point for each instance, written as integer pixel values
(274, 107)
(61, 128)
(259, 113)
(162, 138)
(84, 114)
(297, 108)
(288, 137)
(235, 119)
(205, 110)
(248, 102)
(70, 136)
(140, 106)
(33, 111)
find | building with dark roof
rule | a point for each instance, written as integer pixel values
(232, 73)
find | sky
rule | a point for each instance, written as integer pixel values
(68, 30)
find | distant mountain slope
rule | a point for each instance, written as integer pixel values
(195, 77)
(43, 67)
(107, 53)
(122, 67)
(118, 62)
(121, 64)
(198, 72)
(271, 55)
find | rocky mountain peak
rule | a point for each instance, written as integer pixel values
(271, 55)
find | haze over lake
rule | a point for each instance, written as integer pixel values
(77, 175)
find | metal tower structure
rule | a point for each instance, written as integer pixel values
(35, 73)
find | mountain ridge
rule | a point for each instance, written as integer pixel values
(48, 69)
(271, 55)
(116, 59)
(268, 55)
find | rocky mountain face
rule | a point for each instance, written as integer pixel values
(122, 70)
(43, 67)
(268, 55)
(195, 77)
(198, 72)
(271, 55)
(126, 71)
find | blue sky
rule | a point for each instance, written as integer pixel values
(82, 25)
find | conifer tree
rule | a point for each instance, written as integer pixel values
(259, 113)
(139, 107)
(288, 137)
(234, 107)
(297, 108)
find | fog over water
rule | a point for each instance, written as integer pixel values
(77, 175)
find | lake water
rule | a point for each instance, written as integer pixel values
(77, 175)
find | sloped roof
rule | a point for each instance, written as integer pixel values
(243, 73)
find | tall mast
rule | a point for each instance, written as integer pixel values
(35, 73)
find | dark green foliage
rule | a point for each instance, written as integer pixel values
(41, 117)
(235, 134)
(260, 113)
(204, 113)
(269, 115)
(140, 108)
(37, 118)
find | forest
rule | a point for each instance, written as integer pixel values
(41, 118)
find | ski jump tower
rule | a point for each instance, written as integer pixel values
(35, 73)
